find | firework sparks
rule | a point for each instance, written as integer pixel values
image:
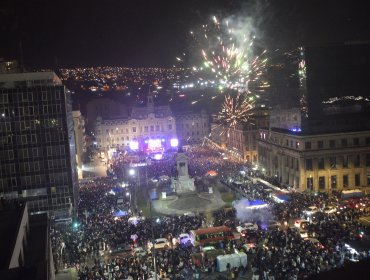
(227, 53)
(236, 110)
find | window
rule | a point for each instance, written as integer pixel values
(297, 145)
(10, 154)
(170, 126)
(367, 160)
(357, 180)
(320, 144)
(145, 129)
(321, 164)
(345, 181)
(307, 145)
(152, 128)
(367, 141)
(332, 143)
(357, 161)
(344, 142)
(333, 162)
(157, 128)
(309, 164)
(333, 180)
(368, 179)
(321, 182)
(134, 129)
(345, 161)
(310, 184)
(356, 141)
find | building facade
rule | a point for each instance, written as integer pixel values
(79, 133)
(152, 127)
(37, 146)
(317, 163)
(105, 108)
(241, 141)
(192, 127)
(318, 138)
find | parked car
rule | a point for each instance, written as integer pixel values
(300, 223)
(303, 233)
(161, 243)
(208, 248)
(330, 209)
(246, 226)
(121, 248)
(315, 242)
(184, 238)
(139, 251)
(311, 210)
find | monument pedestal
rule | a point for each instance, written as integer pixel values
(183, 184)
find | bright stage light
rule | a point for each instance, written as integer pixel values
(174, 142)
(134, 145)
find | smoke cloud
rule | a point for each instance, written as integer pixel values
(246, 213)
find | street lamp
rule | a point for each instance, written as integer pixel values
(131, 172)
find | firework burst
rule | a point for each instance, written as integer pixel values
(236, 110)
(226, 49)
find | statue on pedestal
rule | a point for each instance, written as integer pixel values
(183, 183)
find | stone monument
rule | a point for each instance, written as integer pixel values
(183, 183)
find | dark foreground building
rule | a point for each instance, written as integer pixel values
(25, 243)
(37, 146)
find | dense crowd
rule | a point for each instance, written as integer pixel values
(90, 243)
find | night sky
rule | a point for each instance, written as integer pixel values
(154, 32)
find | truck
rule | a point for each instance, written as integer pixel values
(235, 260)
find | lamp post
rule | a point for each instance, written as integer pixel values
(129, 194)
(152, 231)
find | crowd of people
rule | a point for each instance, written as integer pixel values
(90, 242)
